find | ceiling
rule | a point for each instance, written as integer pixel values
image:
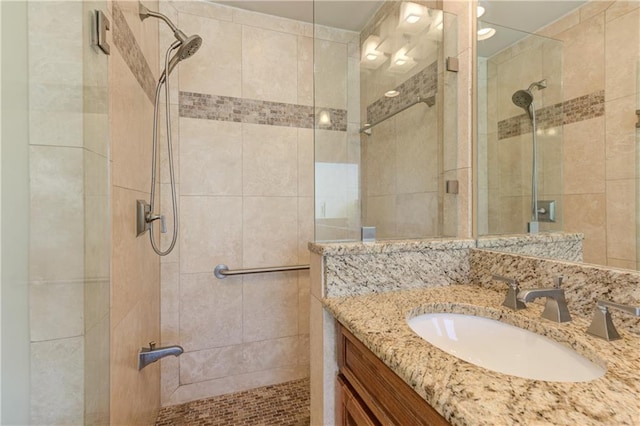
(348, 15)
(514, 20)
(516, 17)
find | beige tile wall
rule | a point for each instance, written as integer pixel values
(135, 268)
(69, 246)
(56, 256)
(336, 82)
(601, 47)
(405, 160)
(245, 200)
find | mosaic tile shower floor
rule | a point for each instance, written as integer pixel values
(282, 404)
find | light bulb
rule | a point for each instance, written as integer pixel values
(412, 18)
(485, 33)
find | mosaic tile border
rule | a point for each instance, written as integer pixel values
(424, 85)
(253, 111)
(131, 52)
(571, 111)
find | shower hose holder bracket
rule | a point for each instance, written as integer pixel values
(143, 210)
(546, 211)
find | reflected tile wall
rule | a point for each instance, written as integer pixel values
(402, 159)
(597, 139)
(245, 144)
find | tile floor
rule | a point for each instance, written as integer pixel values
(282, 404)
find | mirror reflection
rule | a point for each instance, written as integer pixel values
(557, 99)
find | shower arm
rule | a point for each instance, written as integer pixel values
(145, 13)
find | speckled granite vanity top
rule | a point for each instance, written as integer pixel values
(469, 395)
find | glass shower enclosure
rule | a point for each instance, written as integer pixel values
(505, 140)
(384, 125)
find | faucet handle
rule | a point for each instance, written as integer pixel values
(511, 281)
(602, 325)
(511, 299)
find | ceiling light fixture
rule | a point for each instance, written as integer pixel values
(401, 62)
(412, 19)
(371, 57)
(411, 14)
(391, 93)
(480, 11)
(486, 33)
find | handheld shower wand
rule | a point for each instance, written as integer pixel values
(524, 99)
(185, 47)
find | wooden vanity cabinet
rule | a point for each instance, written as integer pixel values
(369, 393)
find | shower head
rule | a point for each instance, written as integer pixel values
(188, 45)
(185, 50)
(524, 98)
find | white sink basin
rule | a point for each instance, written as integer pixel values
(504, 348)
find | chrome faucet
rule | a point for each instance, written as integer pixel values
(151, 354)
(601, 324)
(511, 301)
(555, 307)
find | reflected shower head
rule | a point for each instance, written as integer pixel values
(524, 98)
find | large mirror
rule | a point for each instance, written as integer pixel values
(558, 94)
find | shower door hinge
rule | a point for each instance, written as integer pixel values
(99, 34)
(451, 187)
(452, 64)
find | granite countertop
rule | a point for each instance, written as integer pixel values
(466, 394)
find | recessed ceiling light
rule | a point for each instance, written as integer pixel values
(372, 56)
(392, 93)
(401, 61)
(480, 11)
(485, 33)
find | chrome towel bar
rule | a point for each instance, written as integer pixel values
(222, 271)
(430, 101)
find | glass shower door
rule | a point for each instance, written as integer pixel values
(55, 216)
(383, 152)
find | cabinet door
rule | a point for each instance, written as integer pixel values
(384, 395)
(351, 411)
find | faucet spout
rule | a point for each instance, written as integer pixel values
(555, 308)
(151, 354)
